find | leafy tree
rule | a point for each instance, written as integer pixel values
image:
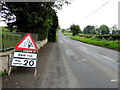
(93, 31)
(114, 29)
(6, 15)
(53, 27)
(75, 29)
(35, 17)
(104, 29)
(98, 31)
(63, 30)
(30, 16)
(89, 30)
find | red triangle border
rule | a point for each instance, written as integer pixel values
(16, 47)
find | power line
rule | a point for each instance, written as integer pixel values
(96, 10)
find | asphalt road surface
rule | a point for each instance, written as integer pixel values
(89, 66)
(69, 64)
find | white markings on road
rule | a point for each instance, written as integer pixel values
(113, 80)
(61, 41)
(108, 58)
(84, 59)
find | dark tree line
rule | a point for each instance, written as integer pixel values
(90, 29)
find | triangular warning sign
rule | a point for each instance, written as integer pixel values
(27, 43)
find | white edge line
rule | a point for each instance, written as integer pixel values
(113, 80)
(109, 58)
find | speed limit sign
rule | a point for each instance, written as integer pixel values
(24, 59)
(24, 62)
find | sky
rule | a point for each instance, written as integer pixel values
(89, 12)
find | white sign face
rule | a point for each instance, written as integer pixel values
(27, 43)
(24, 59)
(25, 55)
(24, 62)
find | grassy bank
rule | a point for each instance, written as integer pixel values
(67, 34)
(106, 43)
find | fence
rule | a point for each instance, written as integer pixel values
(9, 40)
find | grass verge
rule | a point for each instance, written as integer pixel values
(105, 43)
(3, 73)
(6, 73)
(67, 34)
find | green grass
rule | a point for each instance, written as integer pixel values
(6, 73)
(67, 34)
(3, 73)
(105, 43)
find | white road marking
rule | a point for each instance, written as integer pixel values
(108, 58)
(61, 41)
(84, 59)
(113, 80)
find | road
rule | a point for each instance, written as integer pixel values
(90, 66)
(69, 64)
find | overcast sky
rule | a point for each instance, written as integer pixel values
(89, 12)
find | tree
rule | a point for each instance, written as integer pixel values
(53, 27)
(93, 31)
(75, 29)
(114, 29)
(89, 30)
(98, 31)
(6, 15)
(35, 17)
(104, 29)
(29, 16)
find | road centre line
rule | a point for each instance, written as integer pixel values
(113, 80)
(84, 59)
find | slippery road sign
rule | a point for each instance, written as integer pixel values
(27, 43)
